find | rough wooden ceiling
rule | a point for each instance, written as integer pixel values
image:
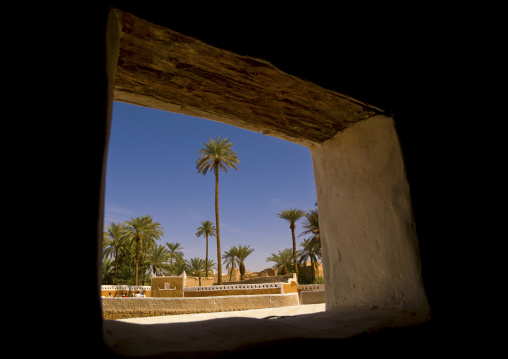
(163, 69)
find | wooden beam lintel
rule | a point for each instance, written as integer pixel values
(162, 69)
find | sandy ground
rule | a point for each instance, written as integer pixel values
(204, 335)
(254, 313)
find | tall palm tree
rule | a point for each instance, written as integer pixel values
(208, 229)
(217, 154)
(174, 251)
(114, 237)
(311, 226)
(242, 252)
(144, 232)
(311, 251)
(282, 260)
(292, 215)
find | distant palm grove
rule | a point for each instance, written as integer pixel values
(131, 252)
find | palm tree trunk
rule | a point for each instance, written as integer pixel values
(219, 261)
(137, 259)
(313, 273)
(242, 271)
(206, 264)
(294, 249)
(116, 264)
(284, 270)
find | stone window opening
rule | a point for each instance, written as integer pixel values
(370, 250)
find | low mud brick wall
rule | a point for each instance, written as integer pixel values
(121, 308)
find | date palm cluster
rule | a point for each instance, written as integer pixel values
(131, 253)
(288, 259)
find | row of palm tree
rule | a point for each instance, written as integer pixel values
(120, 264)
(131, 246)
(311, 247)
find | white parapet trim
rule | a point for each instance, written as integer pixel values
(131, 288)
(141, 288)
(311, 287)
(292, 279)
(234, 287)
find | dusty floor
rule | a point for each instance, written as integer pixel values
(200, 339)
(254, 313)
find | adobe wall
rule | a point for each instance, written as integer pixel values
(242, 289)
(369, 242)
(312, 297)
(307, 293)
(194, 281)
(186, 299)
(305, 272)
(168, 287)
(268, 279)
(120, 308)
(290, 287)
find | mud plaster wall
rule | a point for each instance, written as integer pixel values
(370, 251)
(194, 281)
(291, 287)
(312, 297)
(161, 285)
(117, 308)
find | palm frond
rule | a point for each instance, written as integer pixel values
(291, 215)
(217, 152)
(207, 228)
(195, 266)
(242, 252)
(174, 251)
(282, 259)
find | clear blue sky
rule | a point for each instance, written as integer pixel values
(151, 170)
